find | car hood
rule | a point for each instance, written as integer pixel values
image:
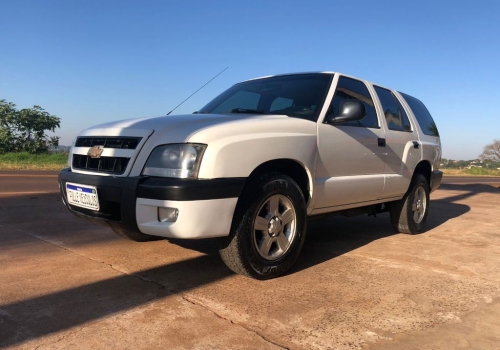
(178, 128)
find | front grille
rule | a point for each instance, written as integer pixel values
(111, 165)
(109, 142)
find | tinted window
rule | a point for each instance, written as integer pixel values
(351, 89)
(241, 99)
(394, 113)
(300, 96)
(281, 103)
(423, 116)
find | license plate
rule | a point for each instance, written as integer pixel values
(82, 196)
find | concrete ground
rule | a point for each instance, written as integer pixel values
(68, 284)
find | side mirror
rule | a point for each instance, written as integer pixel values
(349, 111)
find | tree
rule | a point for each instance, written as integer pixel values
(24, 130)
(491, 152)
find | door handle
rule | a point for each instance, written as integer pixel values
(416, 145)
(381, 142)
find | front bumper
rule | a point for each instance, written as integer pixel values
(436, 178)
(205, 207)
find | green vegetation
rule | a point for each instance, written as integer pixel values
(488, 163)
(476, 171)
(24, 144)
(24, 130)
(27, 161)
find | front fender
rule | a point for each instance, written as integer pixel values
(238, 156)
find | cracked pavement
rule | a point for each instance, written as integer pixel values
(67, 283)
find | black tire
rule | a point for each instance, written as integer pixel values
(409, 214)
(134, 236)
(272, 200)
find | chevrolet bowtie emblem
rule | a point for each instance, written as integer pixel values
(95, 152)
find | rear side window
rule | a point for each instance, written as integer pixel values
(351, 89)
(423, 116)
(394, 113)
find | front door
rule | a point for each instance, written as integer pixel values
(350, 167)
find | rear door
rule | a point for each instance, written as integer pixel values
(403, 149)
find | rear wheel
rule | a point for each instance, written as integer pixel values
(268, 229)
(409, 214)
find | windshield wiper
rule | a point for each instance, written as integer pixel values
(245, 110)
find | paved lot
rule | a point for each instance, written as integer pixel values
(66, 283)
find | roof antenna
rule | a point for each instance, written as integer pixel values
(197, 90)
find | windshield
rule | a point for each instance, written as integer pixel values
(300, 96)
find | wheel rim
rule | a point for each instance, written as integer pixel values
(419, 205)
(274, 227)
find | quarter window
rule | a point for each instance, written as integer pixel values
(423, 116)
(351, 89)
(395, 116)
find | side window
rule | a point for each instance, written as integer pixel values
(349, 89)
(241, 99)
(280, 103)
(395, 115)
(423, 116)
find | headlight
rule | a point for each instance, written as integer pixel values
(175, 160)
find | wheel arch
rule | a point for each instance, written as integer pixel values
(423, 168)
(292, 168)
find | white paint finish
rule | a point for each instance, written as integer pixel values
(342, 190)
(347, 151)
(180, 129)
(235, 149)
(118, 128)
(345, 165)
(430, 145)
(430, 151)
(197, 219)
(402, 158)
(343, 153)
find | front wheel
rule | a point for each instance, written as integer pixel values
(268, 229)
(409, 214)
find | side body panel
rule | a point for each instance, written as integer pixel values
(402, 154)
(350, 167)
(431, 145)
(236, 149)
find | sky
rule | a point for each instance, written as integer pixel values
(89, 62)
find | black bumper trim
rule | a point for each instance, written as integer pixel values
(436, 178)
(118, 195)
(190, 190)
(117, 198)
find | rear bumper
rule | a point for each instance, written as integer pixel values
(436, 178)
(131, 203)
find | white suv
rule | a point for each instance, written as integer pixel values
(255, 162)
